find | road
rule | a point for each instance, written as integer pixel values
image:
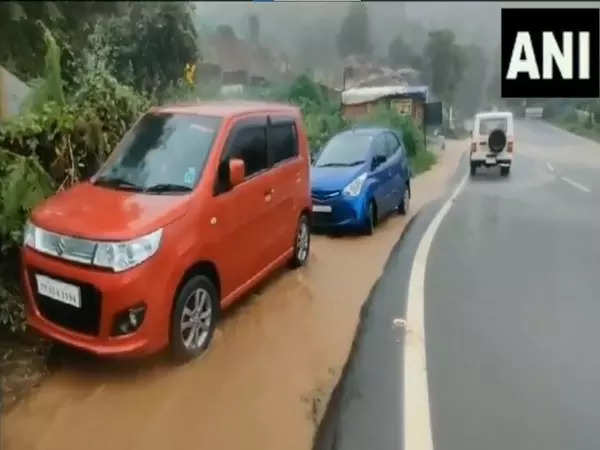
(510, 315)
(263, 383)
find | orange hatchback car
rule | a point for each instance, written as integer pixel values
(195, 206)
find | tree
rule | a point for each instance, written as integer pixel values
(354, 32)
(470, 91)
(151, 45)
(254, 27)
(445, 63)
(400, 53)
(225, 31)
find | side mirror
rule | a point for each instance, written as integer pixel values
(237, 171)
(377, 161)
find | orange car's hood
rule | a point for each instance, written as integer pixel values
(96, 212)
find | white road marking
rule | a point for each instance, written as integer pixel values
(576, 185)
(417, 418)
(550, 168)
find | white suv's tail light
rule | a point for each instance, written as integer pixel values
(473, 147)
(509, 147)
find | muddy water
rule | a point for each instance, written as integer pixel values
(263, 383)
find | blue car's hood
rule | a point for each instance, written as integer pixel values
(333, 178)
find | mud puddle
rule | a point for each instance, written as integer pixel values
(264, 382)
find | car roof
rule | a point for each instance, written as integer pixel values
(367, 130)
(494, 115)
(226, 109)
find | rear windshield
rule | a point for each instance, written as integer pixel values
(486, 126)
(346, 149)
(161, 153)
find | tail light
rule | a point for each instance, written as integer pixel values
(473, 147)
(510, 147)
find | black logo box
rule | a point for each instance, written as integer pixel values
(535, 21)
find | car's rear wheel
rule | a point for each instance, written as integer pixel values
(302, 242)
(405, 202)
(194, 318)
(504, 171)
(473, 169)
(371, 219)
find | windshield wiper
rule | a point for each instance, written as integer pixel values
(118, 183)
(341, 164)
(167, 187)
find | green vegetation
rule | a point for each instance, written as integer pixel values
(421, 158)
(354, 37)
(580, 117)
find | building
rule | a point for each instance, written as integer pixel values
(407, 100)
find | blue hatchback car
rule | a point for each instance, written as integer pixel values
(360, 176)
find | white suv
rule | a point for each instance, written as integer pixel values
(492, 141)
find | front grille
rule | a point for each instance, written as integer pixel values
(84, 320)
(324, 195)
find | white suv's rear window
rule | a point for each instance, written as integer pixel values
(486, 126)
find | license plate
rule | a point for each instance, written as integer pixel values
(321, 208)
(490, 160)
(57, 290)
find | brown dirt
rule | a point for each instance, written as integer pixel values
(264, 382)
(22, 366)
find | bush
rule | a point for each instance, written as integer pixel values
(52, 146)
(388, 118)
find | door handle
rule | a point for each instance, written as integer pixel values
(270, 191)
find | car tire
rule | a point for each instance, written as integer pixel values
(301, 242)
(473, 169)
(405, 202)
(194, 318)
(371, 219)
(504, 171)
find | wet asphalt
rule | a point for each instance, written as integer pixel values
(511, 313)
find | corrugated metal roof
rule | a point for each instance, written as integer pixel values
(355, 96)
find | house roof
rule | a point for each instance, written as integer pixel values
(356, 96)
(227, 108)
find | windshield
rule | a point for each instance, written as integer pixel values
(486, 126)
(345, 149)
(161, 153)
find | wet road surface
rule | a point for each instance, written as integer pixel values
(511, 308)
(263, 383)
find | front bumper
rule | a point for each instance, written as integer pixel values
(491, 159)
(104, 295)
(346, 212)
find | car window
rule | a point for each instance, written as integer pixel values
(283, 142)
(380, 146)
(248, 142)
(250, 145)
(391, 144)
(345, 149)
(486, 126)
(161, 152)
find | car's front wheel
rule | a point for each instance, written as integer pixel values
(302, 242)
(504, 171)
(194, 318)
(473, 169)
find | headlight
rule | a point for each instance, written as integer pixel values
(29, 234)
(354, 188)
(120, 256)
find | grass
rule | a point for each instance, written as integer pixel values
(579, 128)
(422, 161)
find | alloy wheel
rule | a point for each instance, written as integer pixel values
(196, 319)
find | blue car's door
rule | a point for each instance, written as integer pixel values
(382, 175)
(395, 156)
